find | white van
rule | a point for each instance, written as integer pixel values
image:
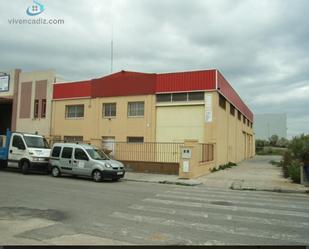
(24, 151)
(84, 160)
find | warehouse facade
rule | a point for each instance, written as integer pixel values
(134, 107)
(25, 101)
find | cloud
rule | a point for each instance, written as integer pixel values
(260, 46)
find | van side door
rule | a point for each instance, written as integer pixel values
(82, 164)
(65, 161)
(16, 151)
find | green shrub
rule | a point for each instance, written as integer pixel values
(294, 171)
(224, 166)
(287, 160)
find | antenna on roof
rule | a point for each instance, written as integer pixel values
(112, 47)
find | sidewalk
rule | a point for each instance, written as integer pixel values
(159, 178)
(255, 174)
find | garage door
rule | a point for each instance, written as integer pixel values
(176, 123)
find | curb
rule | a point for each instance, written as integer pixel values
(276, 190)
(191, 184)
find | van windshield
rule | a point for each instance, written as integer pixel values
(36, 142)
(97, 154)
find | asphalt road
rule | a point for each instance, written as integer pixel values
(39, 209)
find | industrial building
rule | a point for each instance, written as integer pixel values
(266, 125)
(25, 101)
(134, 107)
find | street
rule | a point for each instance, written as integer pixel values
(40, 209)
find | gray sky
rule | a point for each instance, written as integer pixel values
(260, 46)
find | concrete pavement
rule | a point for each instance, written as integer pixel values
(255, 174)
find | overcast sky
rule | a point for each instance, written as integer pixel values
(261, 47)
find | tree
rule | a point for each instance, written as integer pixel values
(273, 140)
(283, 142)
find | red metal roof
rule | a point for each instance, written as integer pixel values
(134, 83)
(231, 95)
(72, 90)
(186, 81)
(124, 84)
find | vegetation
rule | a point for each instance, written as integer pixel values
(294, 157)
(294, 153)
(224, 166)
(273, 146)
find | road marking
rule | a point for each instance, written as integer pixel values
(242, 231)
(216, 216)
(247, 193)
(230, 208)
(248, 198)
(257, 202)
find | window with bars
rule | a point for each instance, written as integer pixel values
(135, 139)
(36, 108)
(136, 109)
(43, 109)
(73, 139)
(109, 110)
(74, 111)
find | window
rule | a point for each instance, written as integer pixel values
(67, 152)
(79, 154)
(164, 97)
(222, 102)
(18, 142)
(239, 115)
(109, 110)
(244, 119)
(73, 138)
(135, 139)
(251, 124)
(232, 110)
(175, 97)
(56, 151)
(136, 109)
(36, 109)
(74, 111)
(179, 96)
(248, 122)
(43, 110)
(196, 96)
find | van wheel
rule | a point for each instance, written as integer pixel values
(55, 172)
(97, 176)
(25, 167)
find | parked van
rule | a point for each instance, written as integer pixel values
(84, 160)
(24, 151)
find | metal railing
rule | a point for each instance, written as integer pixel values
(148, 152)
(206, 152)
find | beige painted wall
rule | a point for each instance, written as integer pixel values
(40, 125)
(234, 141)
(95, 126)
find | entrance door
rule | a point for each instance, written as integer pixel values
(109, 145)
(6, 116)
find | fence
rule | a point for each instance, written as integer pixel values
(148, 152)
(206, 152)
